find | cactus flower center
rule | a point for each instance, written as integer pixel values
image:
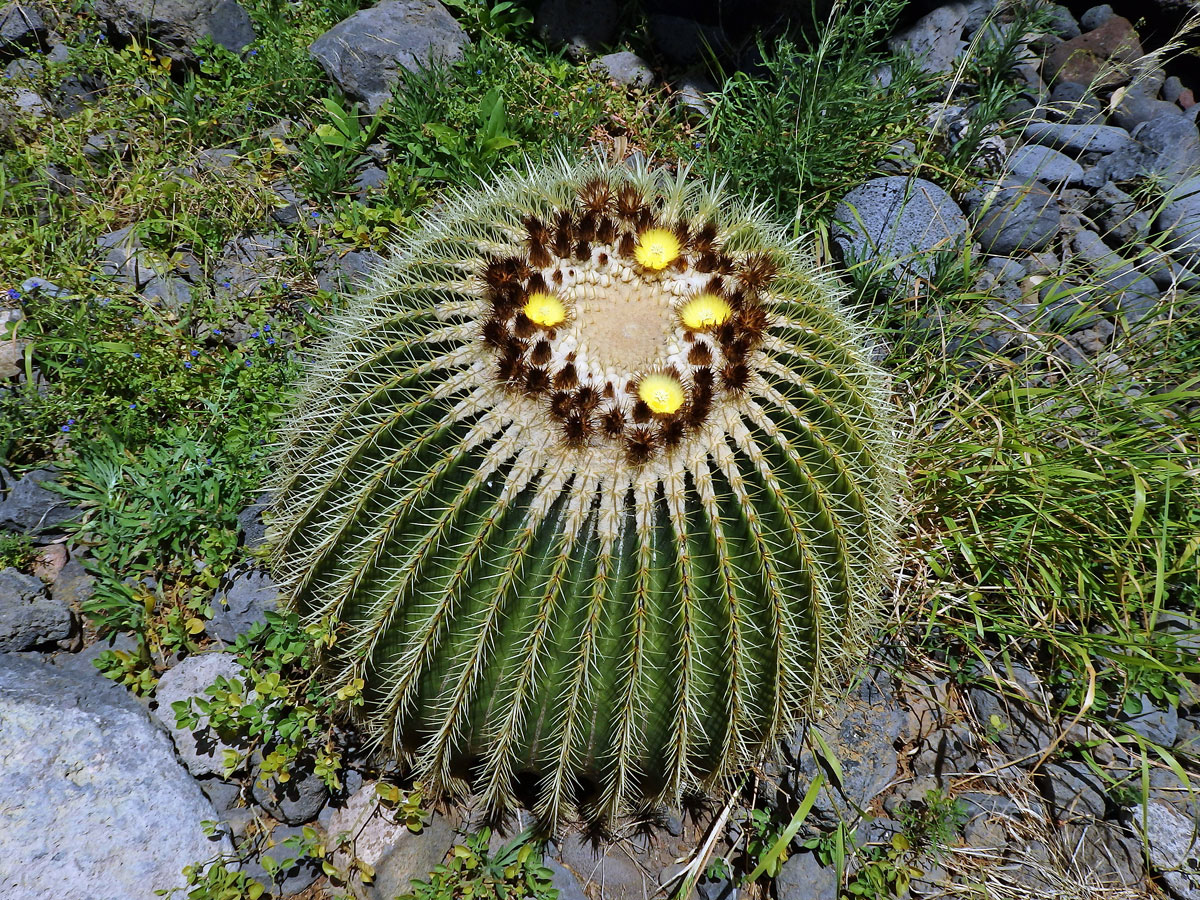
(705, 311)
(656, 249)
(545, 310)
(662, 393)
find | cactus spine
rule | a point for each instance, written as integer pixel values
(596, 482)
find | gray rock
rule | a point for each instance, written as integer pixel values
(250, 523)
(862, 733)
(23, 69)
(223, 794)
(715, 889)
(1009, 720)
(21, 26)
(249, 262)
(1172, 89)
(1118, 214)
(124, 257)
(95, 803)
(625, 68)
(72, 584)
(1073, 104)
(1044, 164)
(936, 38)
(171, 293)
(370, 179)
(582, 25)
(989, 818)
(396, 854)
(901, 224)
(684, 41)
(1079, 138)
(1006, 268)
(201, 749)
(1072, 791)
(27, 507)
(1062, 23)
(1134, 110)
(692, 97)
(176, 25)
(1154, 724)
(242, 605)
(564, 880)
(1125, 289)
(1179, 221)
(345, 271)
(296, 872)
(1174, 847)
(1167, 149)
(1105, 852)
(1095, 17)
(295, 801)
(288, 212)
(28, 618)
(1010, 215)
(944, 752)
(367, 54)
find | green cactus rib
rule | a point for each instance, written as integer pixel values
(547, 576)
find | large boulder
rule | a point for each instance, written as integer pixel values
(1011, 215)
(27, 506)
(1096, 57)
(1174, 847)
(201, 749)
(900, 225)
(936, 39)
(21, 28)
(367, 54)
(95, 803)
(175, 26)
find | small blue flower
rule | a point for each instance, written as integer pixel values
(479, 71)
(217, 331)
(225, 284)
(66, 428)
(137, 355)
(698, 145)
(187, 365)
(70, 421)
(589, 90)
(254, 334)
(254, 53)
(267, 327)
(555, 113)
(35, 283)
(249, 363)
(14, 294)
(133, 406)
(195, 353)
(270, 342)
(284, 286)
(315, 214)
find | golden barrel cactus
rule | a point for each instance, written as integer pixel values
(595, 483)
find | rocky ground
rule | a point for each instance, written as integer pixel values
(108, 795)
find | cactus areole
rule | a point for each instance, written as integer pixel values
(595, 482)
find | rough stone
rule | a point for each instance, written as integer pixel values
(862, 732)
(802, 877)
(1011, 215)
(989, 818)
(28, 618)
(900, 224)
(1095, 17)
(249, 262)
(1174, 847)
(944, 752)
(1108, 855)
(1072, 791)
(1094, 58)
(1011, 723)
(625, 68)
(936, 38)
(564, 880)
(91, 787)
(124, 257)
(200, 749)
(370, 179)
(367, 54)
(177, 25)
(295, 872)
(1134, 109)
(21, 26)
(1044, 164)
(604, 869)
(295, 801)
(1167, 149)
(1126, 290)
(1155, 724)
(582, 25)
(1179, 221)
(345, 271)
(1074, 104)
(27, 507)
(242, 605)
(1119, 216)
(396, 854)
(1078, 138)
(1062, 22)
(250, 523)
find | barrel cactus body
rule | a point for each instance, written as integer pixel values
(595, 482)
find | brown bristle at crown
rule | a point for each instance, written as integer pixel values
(501, 271)
(587, 227)
(613, 422)
(537, 283)
(704, 239)
(564, 233)
(511, 368)
(561, 403)
(606, 230)
(495, 333)
(698, 410)
(736, 375)
(757, 270)
(682, 233)
(639, 445)
(557, 277)
(523, 326)
(583, 250)
(703, 378)
(595, 195)
(541, 353)
(577, 428)
(672, 431)
(630, 202)
(753, 321)
(567, 378)
(537, 380)
(626, 245)
(642, 412)
(706, 261)
(587, 397)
